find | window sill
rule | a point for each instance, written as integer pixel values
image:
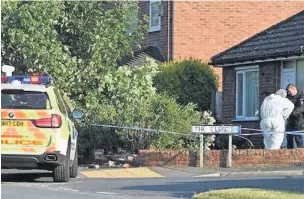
(154, 30)
(245, 120)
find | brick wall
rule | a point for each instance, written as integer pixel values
(202, 29)
(270, 77)
(229, 96)
(217, 158)
(162, 37)
(205, 28)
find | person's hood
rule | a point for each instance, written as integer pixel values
(281, 92)
(273, 96)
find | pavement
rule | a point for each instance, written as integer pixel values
(188, 172)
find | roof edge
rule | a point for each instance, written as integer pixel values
(259, 61)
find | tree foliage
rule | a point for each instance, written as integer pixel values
(188, 81)
(79, 43)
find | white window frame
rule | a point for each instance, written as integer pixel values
(158, 27)
(243, 70)
(294, 69)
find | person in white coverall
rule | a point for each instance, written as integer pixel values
(275, 109)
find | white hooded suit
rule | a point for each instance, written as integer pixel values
(275, 109)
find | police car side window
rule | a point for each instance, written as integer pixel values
(60, 102)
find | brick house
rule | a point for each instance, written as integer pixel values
(200, 29)
(264, 63)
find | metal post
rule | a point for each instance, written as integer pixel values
(201, 150)
(229, 158)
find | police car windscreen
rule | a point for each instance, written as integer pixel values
(20, 99)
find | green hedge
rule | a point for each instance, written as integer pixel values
(189, 80)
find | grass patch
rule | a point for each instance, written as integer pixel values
(248, 194)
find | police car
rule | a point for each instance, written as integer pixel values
(37, 130)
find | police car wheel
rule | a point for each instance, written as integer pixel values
(62, 172)
(74, 167)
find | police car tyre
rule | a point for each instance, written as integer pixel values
(62, 172)
(74, 167)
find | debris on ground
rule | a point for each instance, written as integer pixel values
(122, 159)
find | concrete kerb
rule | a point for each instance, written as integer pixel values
(299, 172)
(227, 172)
(265, 173)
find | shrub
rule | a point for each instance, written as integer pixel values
(170, 116)
(134, 103)
(188, 81)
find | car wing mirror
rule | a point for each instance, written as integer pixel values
(77, 114)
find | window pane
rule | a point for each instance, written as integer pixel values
(300, 75)
(19, 99)
(252, 90)
(240, 94)
(155, 14)
(288, 65)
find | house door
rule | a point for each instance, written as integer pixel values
(288, 75)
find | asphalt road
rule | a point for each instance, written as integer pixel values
(31, 186)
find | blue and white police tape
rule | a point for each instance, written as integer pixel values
(259, 130)
(160, 131)
(191, 134)
(141, 129)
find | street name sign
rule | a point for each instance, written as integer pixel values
(220, 129)
(229, 130)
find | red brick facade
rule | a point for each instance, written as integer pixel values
(218, 158)
(161, 39)
(202, 29)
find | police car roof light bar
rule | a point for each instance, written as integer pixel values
(33, 79)
(4, 79)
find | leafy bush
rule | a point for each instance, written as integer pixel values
(188, 81)
(133, 102)
(172, 117)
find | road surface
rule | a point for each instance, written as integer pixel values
(30, 186)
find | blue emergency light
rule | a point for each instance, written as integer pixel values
(32, 79)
